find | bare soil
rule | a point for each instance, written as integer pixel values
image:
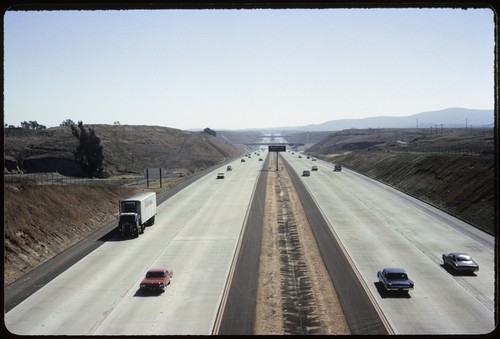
(126, 149)
(323, 305)
(42, 221)
(461, 185)
(453, 170)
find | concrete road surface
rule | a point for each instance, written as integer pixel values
(380, 227)
(195, 234)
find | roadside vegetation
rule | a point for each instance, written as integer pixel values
(41, 221)
(88, 153)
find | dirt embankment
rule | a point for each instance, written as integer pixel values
(451, 169)
(464, 186)
(42, 221)
(126, 149)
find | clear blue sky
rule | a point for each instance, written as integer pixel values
(235, 69)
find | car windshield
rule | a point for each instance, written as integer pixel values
(463, 258)
(396, 275)
(155, 274)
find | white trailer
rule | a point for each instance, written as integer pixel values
(137, 212)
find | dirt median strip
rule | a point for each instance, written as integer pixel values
(313, 306)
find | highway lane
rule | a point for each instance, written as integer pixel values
(380, 227)
(196, 233)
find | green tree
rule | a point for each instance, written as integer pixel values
(210, 132)
(67, 122)
(32, 125)
(89, 151)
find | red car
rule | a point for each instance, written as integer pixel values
(157, 279)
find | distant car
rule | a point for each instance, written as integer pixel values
(314, 168)
(221, 175)
(313, 159)
(157, 279)
(306, 173)
(337, 168)
(242, 160)
(229, 168)
(460, 262)
(300, 156)
(395, 279)
(260, 159)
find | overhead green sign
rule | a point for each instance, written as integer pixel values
(277, 148)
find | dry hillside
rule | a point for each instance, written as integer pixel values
(126, 149)
(453, 170)
(41, 221)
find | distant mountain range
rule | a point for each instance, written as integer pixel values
(449, 118)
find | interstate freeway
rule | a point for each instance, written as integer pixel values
(198, 233)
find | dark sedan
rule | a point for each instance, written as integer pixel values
(395, 279)
(460, 262)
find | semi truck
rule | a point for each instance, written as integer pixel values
(136, 212)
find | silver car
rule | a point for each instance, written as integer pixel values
(460, 262)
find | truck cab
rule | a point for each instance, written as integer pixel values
(136, 212)
(129, 218)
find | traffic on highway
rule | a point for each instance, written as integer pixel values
(197, 234)
(380, 227)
